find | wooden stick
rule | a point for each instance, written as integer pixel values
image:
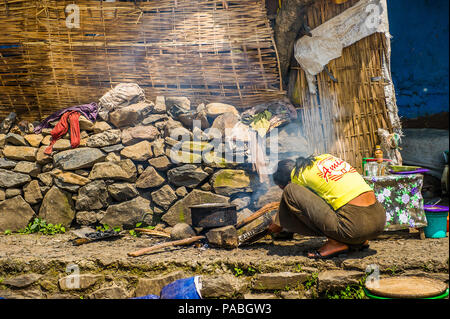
(181, 242)
(265, 209)
(152, 232)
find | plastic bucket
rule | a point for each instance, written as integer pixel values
(437, 221)
(371, 296)
(188, 288)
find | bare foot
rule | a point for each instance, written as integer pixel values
(332, 246)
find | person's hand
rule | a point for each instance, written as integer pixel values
(274, 228)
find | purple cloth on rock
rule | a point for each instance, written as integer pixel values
(89, 111)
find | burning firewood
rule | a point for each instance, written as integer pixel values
(264, 210)
(257, 225)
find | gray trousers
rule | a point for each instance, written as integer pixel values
(303, 212)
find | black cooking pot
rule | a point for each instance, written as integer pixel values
(213, 215)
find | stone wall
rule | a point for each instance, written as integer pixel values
(123, 171)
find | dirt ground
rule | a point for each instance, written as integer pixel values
(393, 254)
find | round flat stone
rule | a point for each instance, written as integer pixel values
(407, 287)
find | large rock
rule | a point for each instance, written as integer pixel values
(137, 133)
(30, 168)
(224, 122)
(122, 170)
(215, 109)
(225, 237)
(338, 279)
(180, 211)
(229, 182)
(158, 147)
(153, 118)
(34, 139)
(160, 105)
(92, 196)
(62, 145)
(10, 179)
(85, 124)
(178, 132)
(104, 139)
(15, 214)
(182, 231)
(164, 197)
(20, 153)
(129, 115)
(46, 178)
(122, 191)
(86, 218)
(13, 192)
(57, 207)
(127, 214)
(161, 163)
(187, 175)
(81, 282)
(112, 292)
(181, 157)
(7, 164)
(241, 202)
(32, 192)
(140, 152)
(153, 286)
(41, 157)
(101, 126)
(7, 123)
(22, 281)
(72, 188)
(15, 139)
(69, 177)
(279, 280)
(113, 148)
(177, 104)
(224, 286)
(149, 179)
(84, 157)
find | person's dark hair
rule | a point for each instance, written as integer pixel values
(303, 162)
(282, 176)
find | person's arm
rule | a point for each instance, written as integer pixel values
(274, 227)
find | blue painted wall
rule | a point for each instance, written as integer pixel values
(420, 55)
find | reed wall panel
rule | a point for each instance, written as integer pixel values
(196, 48)
(343, 117)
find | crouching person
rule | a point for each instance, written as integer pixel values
(325, 196)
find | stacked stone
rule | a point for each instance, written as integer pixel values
(123, 171)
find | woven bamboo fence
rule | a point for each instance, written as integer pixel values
(343, 118)
(207, 50)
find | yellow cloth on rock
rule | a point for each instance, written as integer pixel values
(333, 179)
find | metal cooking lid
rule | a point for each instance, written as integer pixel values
(213, 205)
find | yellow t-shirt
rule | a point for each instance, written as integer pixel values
(333, 179)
